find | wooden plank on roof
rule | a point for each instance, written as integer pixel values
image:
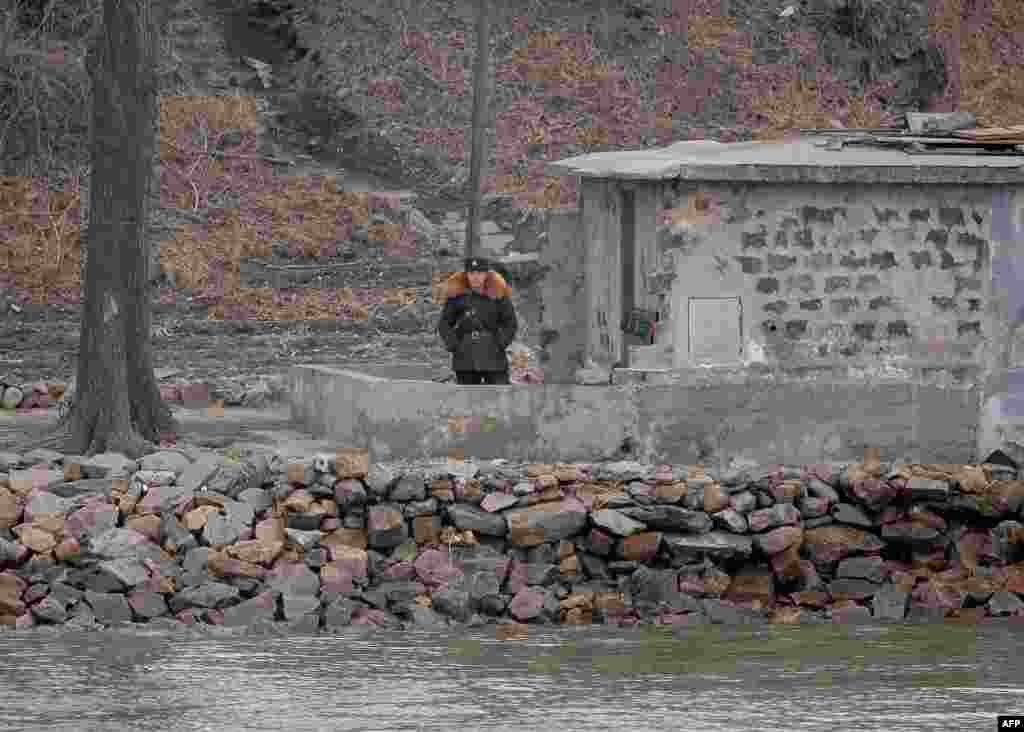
(939, 122)
(1013, 131)
(946, 141)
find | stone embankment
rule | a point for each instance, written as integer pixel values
(186, 536)
(245, 392)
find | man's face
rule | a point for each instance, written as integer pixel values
(476, 279)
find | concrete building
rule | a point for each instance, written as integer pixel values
(807, 304)
(896, 277)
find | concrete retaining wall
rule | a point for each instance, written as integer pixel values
(757, 417)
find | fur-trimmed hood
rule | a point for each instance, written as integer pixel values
(495, 286)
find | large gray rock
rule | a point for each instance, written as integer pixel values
(43, 480)
(174, 534)
(162, 498)
(871, 569)
(44, 502)
(263, 607)
(108, 465)
(231, 478)
(925, 489)
(50, 610)
(128, 572)
(781, 514)
(108, 607)
(617, 522)
(1005, 603)
(165, 460)
(482, 522)
(425, 617)
(257, 498)
(671, 518)
(386, 527)
(546, 522)
(294, 607)
(453, 603)
(846, 588)
(219, 531)
(148, 605)
(293, 578)
(731, 520)
(889, 603)
(623, 470)
(338, 613)
(721, 613)
(197, 474)
(660, 586)
(906, 532)
(379, 479)
(1005, 544)
(847, 513)
(715, 545)
(208, 595)
(821, 489)
(124, 543)
(410, 487)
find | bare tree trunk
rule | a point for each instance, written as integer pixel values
(117, 402)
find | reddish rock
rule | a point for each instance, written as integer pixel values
(434, 567)
(851, 614)
(399, 571)
(932, 594)
(355, 561)
(892, 515)
(188, 617)
(370, 616)
(10, 509)
(691, 584)
(786, 564)
(752, 583)
(527, 604)
(426, 529)
(386, 528)
(170, 392)
(810, 598)
(336, 578)
(832, 543)
(356, 538)
(822, 472)
(715, 498)
(780, 539)
(781, 514)
(517, 578)
(195, 396)
(36, 539)
(35, 593)
(874, 493)
(600, 542)
(641, 547)
(546, 522)
(148, 525)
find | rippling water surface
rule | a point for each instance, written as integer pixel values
(895, 677)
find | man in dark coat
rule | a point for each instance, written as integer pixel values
(478, 323)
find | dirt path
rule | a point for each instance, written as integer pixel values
(239, 427)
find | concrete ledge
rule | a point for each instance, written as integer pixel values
(403, 419)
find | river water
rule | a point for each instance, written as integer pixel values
(704, 678)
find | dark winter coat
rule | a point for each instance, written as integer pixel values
(477, 327)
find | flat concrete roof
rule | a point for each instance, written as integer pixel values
(790, 161)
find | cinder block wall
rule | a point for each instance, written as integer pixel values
(865, 273)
